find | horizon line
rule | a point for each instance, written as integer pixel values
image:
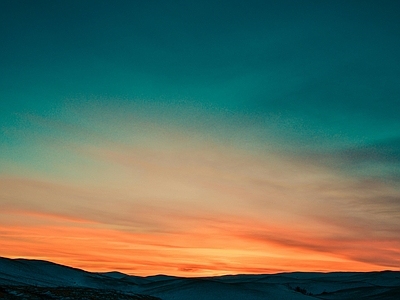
(212, 276)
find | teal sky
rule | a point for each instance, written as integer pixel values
(325, 74)
(316, 83)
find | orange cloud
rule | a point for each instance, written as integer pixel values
(206, 250)
(179, 206)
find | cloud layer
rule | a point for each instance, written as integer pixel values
(201, 138)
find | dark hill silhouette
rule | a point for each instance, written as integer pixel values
(37, 279)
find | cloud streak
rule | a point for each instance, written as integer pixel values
(176, 202)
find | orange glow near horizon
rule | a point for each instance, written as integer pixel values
(204, 252)
(177, 206)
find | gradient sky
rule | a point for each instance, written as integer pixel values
(201, 137)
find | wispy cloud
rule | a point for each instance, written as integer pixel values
(201, 139)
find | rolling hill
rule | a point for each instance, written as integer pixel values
(37, 279)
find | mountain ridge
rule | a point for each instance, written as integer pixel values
(30, 278)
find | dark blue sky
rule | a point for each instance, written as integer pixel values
(327, 69)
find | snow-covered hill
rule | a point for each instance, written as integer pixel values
(35, 279)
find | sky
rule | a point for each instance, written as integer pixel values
(199, 138)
